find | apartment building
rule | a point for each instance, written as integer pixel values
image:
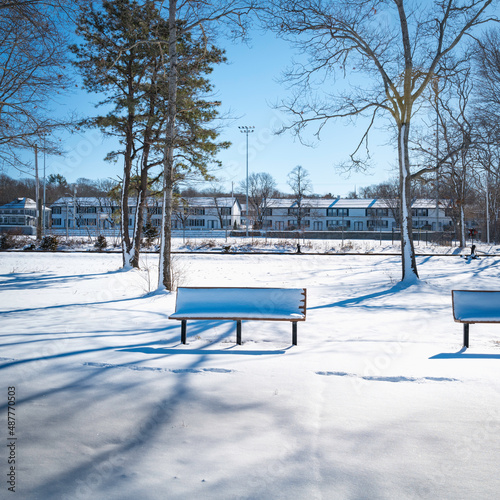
(350, 214)
(312, 214)
(104, 213)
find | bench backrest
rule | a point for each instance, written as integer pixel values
(476, 306)
(247, 303)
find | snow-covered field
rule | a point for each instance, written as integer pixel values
(378, 400)
(213, 242)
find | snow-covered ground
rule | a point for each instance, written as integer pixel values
(215, 242)
(378, 400)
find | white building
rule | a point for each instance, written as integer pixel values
(315, 214)
(207, 213)
(21, 215)
(104, 213)
(350, 214)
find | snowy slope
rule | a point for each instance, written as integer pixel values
(378, 400)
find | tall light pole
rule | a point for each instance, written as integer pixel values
(245, 129)
(435, 84)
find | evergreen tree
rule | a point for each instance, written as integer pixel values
(125, 56)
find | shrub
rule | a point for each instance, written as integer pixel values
(49, 243)
(101, 242)
(13, 239)
(208, 244)
(6, 241)
(150, 233)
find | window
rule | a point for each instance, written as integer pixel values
(377, 223)
(337, 212)
(422, 224)
(194, 211)
(86, 210)
(268, 212)
(154, 210)
(338, 224)
(196, 222)
(56, 210)
(420, 212)
(305, 211)
(225, 211)
(56, 222)
(377, 212)
(89, 222)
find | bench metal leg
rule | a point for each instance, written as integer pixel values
(238, 332)
(183, 331)
(294, 332)
(466, 334)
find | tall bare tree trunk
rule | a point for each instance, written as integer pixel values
(409, 265)
(141, 203)
(127, 250)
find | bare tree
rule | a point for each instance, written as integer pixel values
(300, 183)
(33, 72)
(487, 58)
(388, 192)
(397, 46)
(261, 190)
(222, 208)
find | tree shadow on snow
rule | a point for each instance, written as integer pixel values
(25, 281)
(182, 351)
(358, 301)
(463, 354)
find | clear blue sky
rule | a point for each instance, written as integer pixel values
(247, 87)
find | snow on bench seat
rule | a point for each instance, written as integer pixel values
(237, 304)
(475, 306)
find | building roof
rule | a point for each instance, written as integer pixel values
(205, 201)
(20, 203)
(91, 201)
(362, 203)
(208, 202)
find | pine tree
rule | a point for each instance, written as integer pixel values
(124, 56)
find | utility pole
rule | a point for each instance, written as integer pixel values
(44, 187)
(38, 200)
(245, 129)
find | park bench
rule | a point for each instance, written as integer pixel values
(238, 304)
(475, 306)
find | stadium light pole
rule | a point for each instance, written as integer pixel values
(245, 129)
